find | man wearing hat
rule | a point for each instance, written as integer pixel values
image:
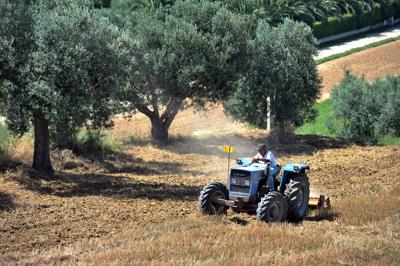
(267, 157)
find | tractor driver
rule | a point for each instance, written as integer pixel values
(267, 157)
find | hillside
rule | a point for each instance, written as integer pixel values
(375, 62)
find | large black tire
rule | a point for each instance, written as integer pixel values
(211, 191)
(272, 208)
(298, 193)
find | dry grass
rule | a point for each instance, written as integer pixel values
(16, 151)
(198, 240)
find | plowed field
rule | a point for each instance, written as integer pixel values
(373, 63)
(140, 207)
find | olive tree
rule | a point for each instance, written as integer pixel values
(63, 67)
(185, 54)
(283, 68)
(366, 111)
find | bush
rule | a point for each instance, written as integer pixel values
(95, 143)
(335, 25)
(366, 111)
(372, 17)
(4, 134)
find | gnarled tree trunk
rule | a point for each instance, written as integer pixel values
(160, 124)
(41, 155)
(159, 132)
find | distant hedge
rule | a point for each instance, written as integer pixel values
(348, 22)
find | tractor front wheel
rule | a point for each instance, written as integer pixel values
(209, 194)
(272, 208)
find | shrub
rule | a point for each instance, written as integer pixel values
(4, 134)
(366, 111)
(95, 143)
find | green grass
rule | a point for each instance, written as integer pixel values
(318, 126)
(91, 143)
(389, 141)
(4, 133)
(355, 50)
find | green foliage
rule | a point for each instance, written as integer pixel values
(4, 133)
(61, 70)
(102, 3)
(191, 50)
(319, 125)
(95, 143)
(300, 10)
(377, 12)
(66, 64)
(282, 67)
(335, 25)
(389, 141)
(367, 111)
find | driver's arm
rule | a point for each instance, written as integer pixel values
(264, 160)
(254, 159)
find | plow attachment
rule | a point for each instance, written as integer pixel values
(319, 202)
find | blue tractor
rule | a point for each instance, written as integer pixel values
(248, 192)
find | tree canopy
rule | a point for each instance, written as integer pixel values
(62, 65)
(186, 54)
(282, 68)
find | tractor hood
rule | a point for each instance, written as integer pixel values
(296, 167)
(246, 165)
(251, 168)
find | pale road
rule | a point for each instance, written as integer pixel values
(368, 39)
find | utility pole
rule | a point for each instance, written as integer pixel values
(268, 114)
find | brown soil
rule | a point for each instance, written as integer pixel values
(92, 206)
(153, 185)
(373, 63)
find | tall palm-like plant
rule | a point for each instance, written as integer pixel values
(354, 6)
(131, 5)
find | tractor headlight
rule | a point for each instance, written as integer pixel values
(234, 181)
(247, 182)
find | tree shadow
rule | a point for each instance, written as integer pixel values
(7, 202)
(125, 163)
(239, 221)
(6, 164)
(146, 168)
(322, 215)
(78, 185)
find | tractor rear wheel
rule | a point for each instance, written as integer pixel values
(213, 191)
(272, 208)
(298, 193)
